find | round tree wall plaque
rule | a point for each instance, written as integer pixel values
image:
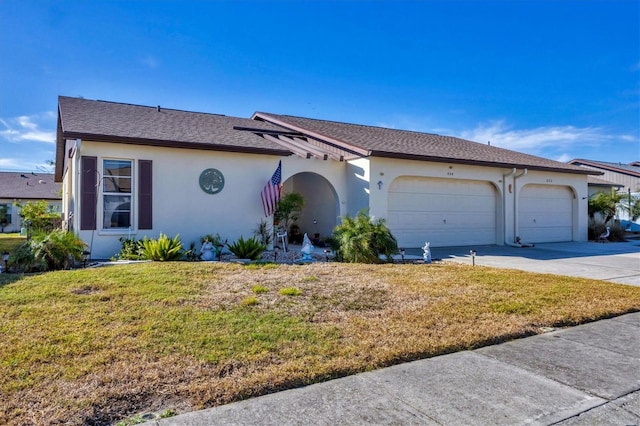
(211, 181)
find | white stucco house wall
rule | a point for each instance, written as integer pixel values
(133, 171)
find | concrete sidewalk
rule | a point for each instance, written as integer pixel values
(585, 375)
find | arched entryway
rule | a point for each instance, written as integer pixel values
(321, 206)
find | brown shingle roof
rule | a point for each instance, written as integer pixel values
(111, 121)
(104, 121)
(632, 169)
(393, 143)
(29, 186)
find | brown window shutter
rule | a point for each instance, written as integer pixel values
(145, 186)
(88, 192)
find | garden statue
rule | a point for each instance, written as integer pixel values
(307, 249)
(207, 251)
(426, 252)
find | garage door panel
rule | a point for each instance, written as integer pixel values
(545, 213)
(444, 212)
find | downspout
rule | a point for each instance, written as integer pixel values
(76, 186)
(504, 202)
(515, 208)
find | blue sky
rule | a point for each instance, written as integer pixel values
(558, 79)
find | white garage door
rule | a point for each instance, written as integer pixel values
(445, 212)
(545, 214)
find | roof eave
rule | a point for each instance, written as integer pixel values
(60, 146)
(173, 144)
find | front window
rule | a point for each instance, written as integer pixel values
(5, 214)
(116, 193)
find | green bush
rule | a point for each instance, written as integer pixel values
(361, 240)
(39, 215)
(263, 232)
(247, 249)
(49, 251)
(131, 249)
(163, 249)
(597, 227)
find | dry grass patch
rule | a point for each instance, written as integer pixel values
(96, 346)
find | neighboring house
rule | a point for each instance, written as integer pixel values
(622, 178)
(625, 176)
(18, 188)
(136, 171)
(596, 185)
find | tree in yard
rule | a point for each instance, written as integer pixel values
(288, 210)
(39, 214)
(604, 204)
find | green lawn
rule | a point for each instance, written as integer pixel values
(95, 346)
(10, 242)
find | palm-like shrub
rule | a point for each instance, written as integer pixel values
(247, 249)
(604, 204)
(49, 251)
(362, 240)
(163, 249)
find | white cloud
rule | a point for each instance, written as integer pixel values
(29, 128)
(563, 158)
(9, 164)
(537, 139)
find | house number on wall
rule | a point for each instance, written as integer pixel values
(211, 181)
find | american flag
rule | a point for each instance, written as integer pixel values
(271, 192)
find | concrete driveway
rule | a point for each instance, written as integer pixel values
(615, 262)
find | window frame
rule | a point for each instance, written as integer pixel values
(105, 193)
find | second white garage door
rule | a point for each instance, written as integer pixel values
(445, 212)
(545, 214)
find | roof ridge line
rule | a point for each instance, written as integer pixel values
(148, 106)
(360, 125)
